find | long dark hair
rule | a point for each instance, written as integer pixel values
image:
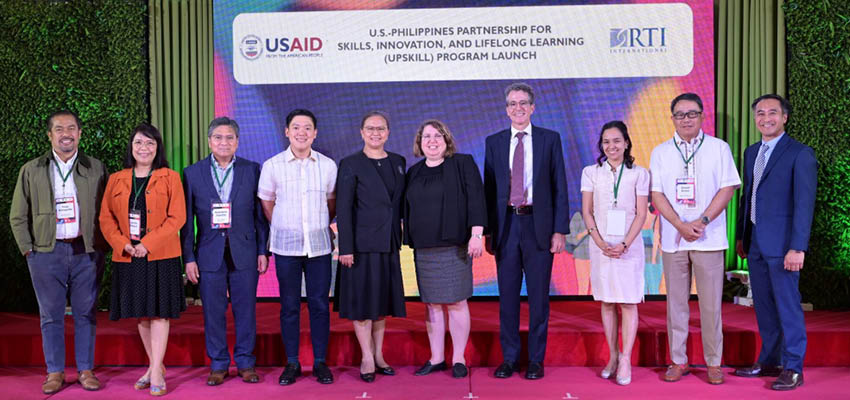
(628, 159)
(149, 131)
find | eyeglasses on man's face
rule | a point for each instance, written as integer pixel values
(689, 114)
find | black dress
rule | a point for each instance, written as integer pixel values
(373, 287)
(146, 289)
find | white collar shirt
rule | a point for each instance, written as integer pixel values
(64, 190)
(771, 144)
(528, 153)
(300, 188)
(712, 168)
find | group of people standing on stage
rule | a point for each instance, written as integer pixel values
(229, 215)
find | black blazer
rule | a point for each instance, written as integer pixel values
(463, 199)
(366, 217)
(551, 208)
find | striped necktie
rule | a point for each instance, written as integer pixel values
(758, 169)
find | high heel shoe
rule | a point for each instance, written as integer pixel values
(607, 373)
(158, 390)
(145, 382)
(624, 379)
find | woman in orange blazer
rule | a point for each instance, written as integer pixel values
(142, 212)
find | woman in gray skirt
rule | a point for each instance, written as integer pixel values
(444, 217)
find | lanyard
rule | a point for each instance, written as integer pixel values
(223, 180)
(139, 190)
(61, 175)
(689, 159)
(617, 184)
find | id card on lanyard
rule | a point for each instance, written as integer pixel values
(220, 215)
(135, 213)
(686, 186)
(616, 217)
(66, 211)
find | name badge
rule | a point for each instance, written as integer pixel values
(220, 215)
(135, 225)
(686, 191)
(66, 212)
(616, 222)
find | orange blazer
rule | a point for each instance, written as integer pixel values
(166, 214)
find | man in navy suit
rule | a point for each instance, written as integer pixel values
(774, 222)
(228, 252)
(525, 188)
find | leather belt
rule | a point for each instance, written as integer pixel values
(72, 240)
(521, 210)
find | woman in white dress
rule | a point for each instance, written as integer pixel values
(614, 203)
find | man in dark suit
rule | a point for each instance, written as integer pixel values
(774, 221)
(229, 250)
(525, 188)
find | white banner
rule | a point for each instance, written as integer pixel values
(444, 44)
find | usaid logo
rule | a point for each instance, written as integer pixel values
(644, 40)
(251, 47)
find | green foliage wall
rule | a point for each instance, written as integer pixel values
(818, 35)
(86, 56)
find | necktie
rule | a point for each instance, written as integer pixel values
(517, 176)
(758, 169)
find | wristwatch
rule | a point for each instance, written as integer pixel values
(705, 220)
(476, 235)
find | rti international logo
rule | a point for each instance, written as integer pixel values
(253, 47)
(638, 40)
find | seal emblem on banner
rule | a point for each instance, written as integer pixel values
(251, 47)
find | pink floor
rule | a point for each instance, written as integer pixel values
(560, 383)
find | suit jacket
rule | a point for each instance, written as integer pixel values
(463, 199)
(785, 201)
(249, 229)
(166, 214)
(551, 207)
(367, 218)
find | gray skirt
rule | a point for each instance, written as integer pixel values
(444, 274)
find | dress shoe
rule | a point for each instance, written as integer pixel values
(367, 377)
(608, 372)
(216, 378)
(715, 375)
(459, 370)
(249, 375)
(675, 372)
(290, 372)
(88, 381)
(429, 368)
(506, 369)
(389, 371)
(624, 364)
(534, 371)
(788, 380)
(323, 373)
(53, 383)
(758, 370)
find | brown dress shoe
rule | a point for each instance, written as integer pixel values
(675, 372)
(53, 383)
(715, 375)
(249, 375)
(216, 377)
(88, 380)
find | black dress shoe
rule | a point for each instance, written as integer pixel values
(292, 371)
(535, 370)
(459, 370)
(429, 368)
(758, 370)
(323, 373)
(788, 380)
(389, 371)
(368, 378)
(506, 369)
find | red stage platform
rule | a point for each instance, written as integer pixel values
(575, 338)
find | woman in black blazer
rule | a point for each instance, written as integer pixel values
(444, 216)
(370, 189)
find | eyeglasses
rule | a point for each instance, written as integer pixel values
(373, 129)
(522, 103)
(148, 143)
(689, 114)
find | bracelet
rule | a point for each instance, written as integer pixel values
(624, 244)
(589, 231)
(476, 235)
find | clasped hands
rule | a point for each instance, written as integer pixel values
(137, 251)
(612, 251)
(690, 231)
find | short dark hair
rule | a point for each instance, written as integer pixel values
(375, 113)
(521, 87)
(149, 131)
(223, 121)
(300, 111)
(451, 147)
(786, 106)
(686, 96)
(628, 158)
(49, 120)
